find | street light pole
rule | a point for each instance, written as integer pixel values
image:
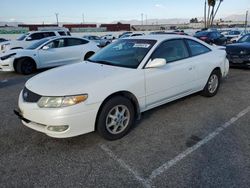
(57, 19)
(246, 20)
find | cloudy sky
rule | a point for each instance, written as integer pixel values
(34, 11)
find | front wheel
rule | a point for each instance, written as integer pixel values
(212, 85)
(116, 118)
(25, 66)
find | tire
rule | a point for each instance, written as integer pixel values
(25, 66)
(213, 84)
(88, 55)
(115, 118)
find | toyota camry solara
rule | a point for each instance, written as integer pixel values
(110, 90)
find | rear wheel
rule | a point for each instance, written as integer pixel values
(212, 85)
(116, 118)
(25, 66)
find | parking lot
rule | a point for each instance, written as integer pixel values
(192, 142)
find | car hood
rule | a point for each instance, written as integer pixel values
(74, 79)
(238, 47)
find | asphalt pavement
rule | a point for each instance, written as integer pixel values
(192, 142)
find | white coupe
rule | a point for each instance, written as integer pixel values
(110, 90)
(48, 52)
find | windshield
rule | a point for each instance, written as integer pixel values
(124, 53)
(22, 37)
(37, 44)
(245, 38)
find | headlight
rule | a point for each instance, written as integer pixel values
(5, 46)
(7, 56)
(58, 102)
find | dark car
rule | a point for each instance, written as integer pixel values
(3, 40)
(211, 37)
(238, 54)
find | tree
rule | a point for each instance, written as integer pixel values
(211, 12)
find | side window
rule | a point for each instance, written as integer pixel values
(56, 43)
(196, 48)
(75, 42)
(172, 50)
(62, 33)
(48, 34)
(35, 36)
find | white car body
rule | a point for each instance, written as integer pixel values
(52, 57)
(27, 39)
(100, 81)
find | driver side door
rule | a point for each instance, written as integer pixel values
(176, 78)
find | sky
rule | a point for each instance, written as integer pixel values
(106, 11)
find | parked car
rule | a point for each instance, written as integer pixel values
(101, 42)
(108, 37)
(232, 34)
(48, 52)
(125, 33)
(111, 89)
(128, 35)
(3, 40)
(238, 53)
(211, 37)
(235, 39)
(29, 38)
(167, 33)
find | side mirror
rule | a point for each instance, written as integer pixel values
(156, 63)
(45, 47)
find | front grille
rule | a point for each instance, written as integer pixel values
(29, 96)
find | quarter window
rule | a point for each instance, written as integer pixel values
(196, 48)
(172, 50)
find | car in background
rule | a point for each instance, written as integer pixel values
(108, 37)
(29, 38)
(100, 41)
(232, 34)
(3, 40)
(238, 53)
(235, 39)
(168, 33)
(125, 33)
(131, 35)
(48, 52)
(110, 90)
(211, 37)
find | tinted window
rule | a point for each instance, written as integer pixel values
(35, 36)
(22, 37)
(48, 34)
(62, 33)
(75, 42)
(196, 48)
(201, 34)
(172, 50)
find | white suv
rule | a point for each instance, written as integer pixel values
(29, 38)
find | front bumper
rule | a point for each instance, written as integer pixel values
(7, 65)
(239, 60)
(79, 118)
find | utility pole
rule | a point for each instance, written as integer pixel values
(146, 19)
(246, 20)
(83, 20)
(57, 18)
(141, 18)
(205, 14)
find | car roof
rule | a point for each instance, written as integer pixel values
(161, 37)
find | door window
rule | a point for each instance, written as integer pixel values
(56, 43)
(75, 42)
(172, 50)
